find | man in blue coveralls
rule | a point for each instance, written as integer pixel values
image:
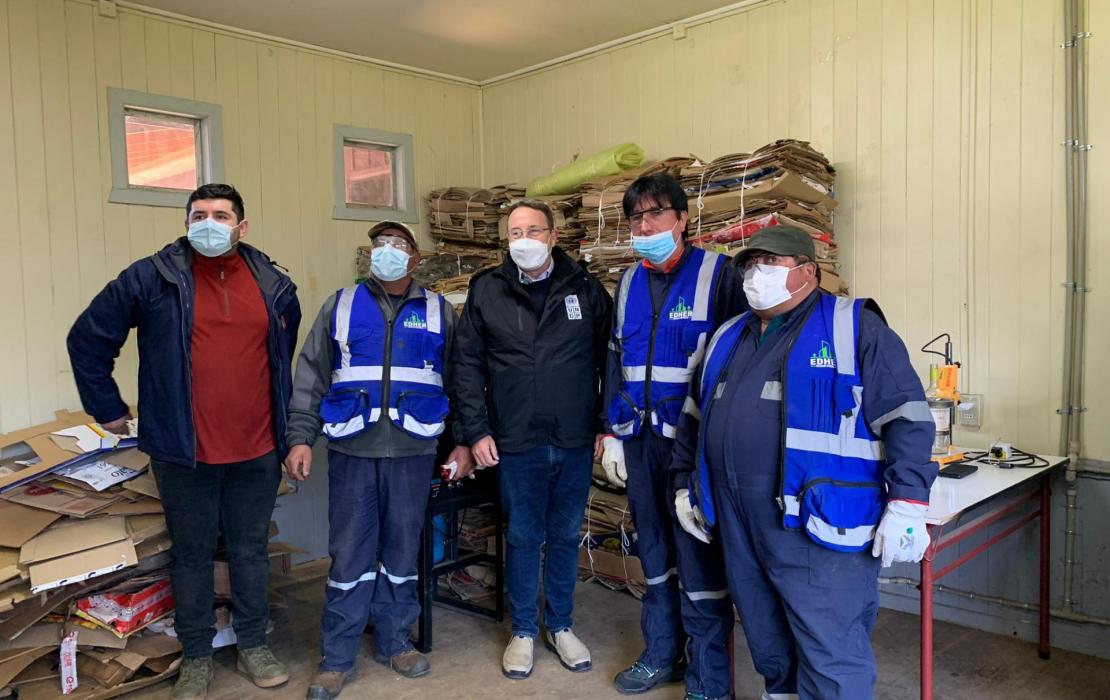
(374, 378)
(813, 465)
(666, 310)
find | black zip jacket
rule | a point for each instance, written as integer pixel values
(529, 380)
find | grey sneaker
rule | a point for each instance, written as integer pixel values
(193, 679)
(261, 667)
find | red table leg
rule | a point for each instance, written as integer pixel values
(927, 624)
(1046, 561)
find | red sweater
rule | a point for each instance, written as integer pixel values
(232, 404)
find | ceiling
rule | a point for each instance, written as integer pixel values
(473, 39)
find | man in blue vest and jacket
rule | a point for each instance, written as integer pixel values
(217, 323)
(373, 378)
(806, 445)
(666, 310)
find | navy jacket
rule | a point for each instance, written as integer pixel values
(155, 295)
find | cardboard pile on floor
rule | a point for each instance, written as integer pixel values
(477, 530)
(84, 551)
(607, 553)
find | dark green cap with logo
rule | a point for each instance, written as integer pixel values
(780, 240)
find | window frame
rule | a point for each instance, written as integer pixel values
(210, 144)
(404, 180)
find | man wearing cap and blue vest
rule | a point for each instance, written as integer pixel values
(807, 438)
(666, 310)
(372, 376)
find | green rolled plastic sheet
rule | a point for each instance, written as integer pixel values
(608, 162)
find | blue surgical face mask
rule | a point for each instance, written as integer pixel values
(657, 247)
(389, 264)
(210, 238)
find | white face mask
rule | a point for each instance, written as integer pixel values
(528, 254)
(765, 286)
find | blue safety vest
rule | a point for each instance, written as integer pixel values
(659, 352)
(392, 366)
(832, 461)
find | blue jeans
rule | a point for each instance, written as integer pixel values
(376, 511)
(543, 493)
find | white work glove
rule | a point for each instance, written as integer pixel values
(612, 460)
(690, 517)
(902, 535)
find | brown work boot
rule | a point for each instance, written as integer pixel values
(409, 663)
(260, 666)
(193, 679)
(328, 684)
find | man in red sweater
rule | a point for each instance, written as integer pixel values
(217, 323)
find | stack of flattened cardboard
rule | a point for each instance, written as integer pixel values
(607, 247)
(106, 668)
(84, 547)
(464, 220)
(79, 517)
(785, 182)
(607, 553)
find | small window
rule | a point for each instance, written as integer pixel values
(368, 175)
(162, 147)
(373, 172)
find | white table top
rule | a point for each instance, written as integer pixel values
(951, 497)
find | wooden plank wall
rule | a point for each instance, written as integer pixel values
(60, 239)
(944, 119)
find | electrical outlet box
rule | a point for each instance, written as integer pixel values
(969, 414)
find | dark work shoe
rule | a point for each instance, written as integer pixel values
(640, 678)
(328, 684)
(409, 663)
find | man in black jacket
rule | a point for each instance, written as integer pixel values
(529, 354)
(217, 323)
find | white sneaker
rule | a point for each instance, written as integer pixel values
(517, 660)
(573, 654)
(779, 696)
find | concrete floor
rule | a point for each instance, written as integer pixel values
(466, 660)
